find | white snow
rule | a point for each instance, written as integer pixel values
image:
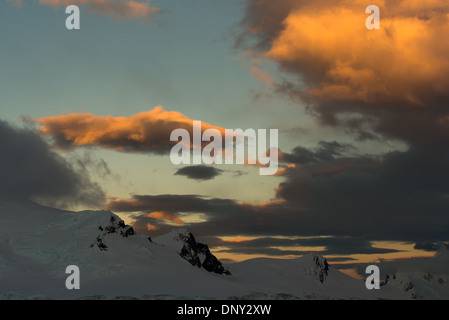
(38, 243)
(419, 278)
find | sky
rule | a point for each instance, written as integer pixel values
(362, 120)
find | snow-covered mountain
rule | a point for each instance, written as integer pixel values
(37, 243)
(419, 278)
(308, 277)
(419, 286)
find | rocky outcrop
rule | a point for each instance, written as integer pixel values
(114, 225)
(320, 268)
(198, 254)
(316, 266)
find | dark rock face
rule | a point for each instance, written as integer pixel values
(193, 251)
(100, 244)
(115, 225)
(320, 268)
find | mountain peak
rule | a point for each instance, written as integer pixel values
(196, 253)
(318, 265)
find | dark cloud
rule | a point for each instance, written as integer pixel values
(328, 159)
(325, 152)
(88, 161)
(224, 216)
(259, 32)
(401, 196)
(272, 246)
(199, 172)
(171, 203)
(30, 169)
(275, 252)
(431, 246)
(355, 246)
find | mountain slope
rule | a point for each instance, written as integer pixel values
(418, 278)
(38, 243)
(309, 277)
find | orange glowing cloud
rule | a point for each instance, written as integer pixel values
(163, 215)
(237, 240)
(271, 205)
(145, 132)
(284, 171)
(327, 44)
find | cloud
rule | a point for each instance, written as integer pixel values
(395, 77)
(268, 251)
(145, 132)
(30, 169)
(431, 246)
(171, 203)
(329, 159)
(266, 222)
(399, 196)
(326, 151)
(121, 9)
(289, 246)
(199, 172)
(151, 132)
(378, 84)
(163, 215)
(222, 216)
